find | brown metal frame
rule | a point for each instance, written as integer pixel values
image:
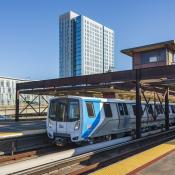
(30, 104)
(121, 77)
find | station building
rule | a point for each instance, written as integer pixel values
(152, 55)
(85, 46)
(8, 90)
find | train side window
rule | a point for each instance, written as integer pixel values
(123, 109)
(150, 109)
(134, 109)
(158, 109)
(173, 109)
(90, 109)
(107, 110)
(161, 109)
(120, 107)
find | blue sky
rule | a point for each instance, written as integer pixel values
(29, 30)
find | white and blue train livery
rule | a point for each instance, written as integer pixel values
(78, 119)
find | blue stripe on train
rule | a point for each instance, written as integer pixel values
(91, 122)
(89, 130)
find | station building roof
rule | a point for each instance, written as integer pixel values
(167, 44)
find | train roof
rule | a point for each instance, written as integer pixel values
(102, 99)
(96, 98)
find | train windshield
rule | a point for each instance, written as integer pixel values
(57, 110)
(73, 110)
(64, 110)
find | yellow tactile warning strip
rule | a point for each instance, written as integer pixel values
(132, 163)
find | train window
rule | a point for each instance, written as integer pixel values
(150, 109)
(73, 110)
(90, 109)
(159, 109)
(173, 108)
(57, 110)
(134, 109)
(107, 110)
(123, 110)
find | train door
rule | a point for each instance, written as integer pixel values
(56, 114)
(73, 116)
(61, 124)
(91, 117)
(124, 118)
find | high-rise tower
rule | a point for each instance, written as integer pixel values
(86, 47)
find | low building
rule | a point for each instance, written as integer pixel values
(158, 54)
(8, 91)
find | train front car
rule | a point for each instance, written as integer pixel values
(63, 120)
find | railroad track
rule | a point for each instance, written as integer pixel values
(88, 162)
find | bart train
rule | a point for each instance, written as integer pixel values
(83, 119)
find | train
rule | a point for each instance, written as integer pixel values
(88, 119)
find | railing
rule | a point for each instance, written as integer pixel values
(10, 111)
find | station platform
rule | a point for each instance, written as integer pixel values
(155, 161)
(9, 129)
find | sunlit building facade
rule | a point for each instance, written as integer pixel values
(86, 46)
(8, 92)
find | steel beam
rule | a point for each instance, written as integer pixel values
(97, 79)
(94, 79)
(39, 104)
(167, 109)
(17, 104)
(138, 105)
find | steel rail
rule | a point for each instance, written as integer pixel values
(121, 151)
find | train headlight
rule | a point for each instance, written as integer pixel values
(49, 124)
(77, 125)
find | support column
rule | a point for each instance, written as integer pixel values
(17, 104)
(138, 105)
(39, 102)
(167, 109)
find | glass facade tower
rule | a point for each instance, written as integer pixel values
(91, 46)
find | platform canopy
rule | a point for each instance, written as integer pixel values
(155, 77)
(160, 79)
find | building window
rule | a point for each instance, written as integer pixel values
(153, 59)
(153, 56)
